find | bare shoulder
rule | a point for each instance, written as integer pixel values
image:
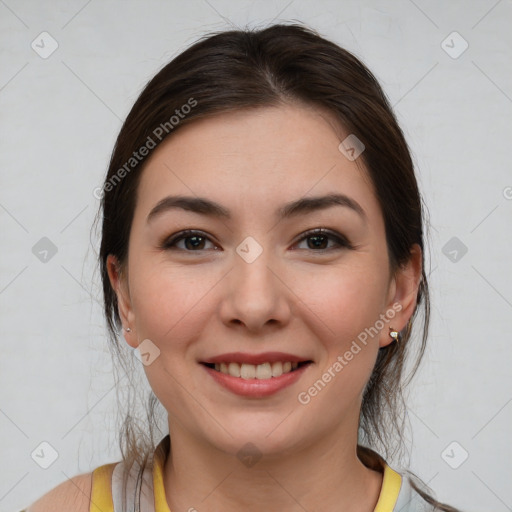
(73, 494)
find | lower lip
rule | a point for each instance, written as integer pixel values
(256, 388)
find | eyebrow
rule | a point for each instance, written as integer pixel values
(301, 206)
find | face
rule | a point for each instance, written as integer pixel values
(256, 282)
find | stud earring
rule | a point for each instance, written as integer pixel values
(127, 329)
(395, 334)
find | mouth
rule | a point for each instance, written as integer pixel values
(264, 371)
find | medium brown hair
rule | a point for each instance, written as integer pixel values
(245, 69)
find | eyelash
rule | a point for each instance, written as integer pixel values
(341, 241)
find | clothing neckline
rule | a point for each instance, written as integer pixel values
(388, 496)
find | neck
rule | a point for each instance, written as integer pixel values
(326, 476)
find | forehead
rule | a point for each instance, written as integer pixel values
(267, 155)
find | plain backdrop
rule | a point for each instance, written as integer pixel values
(70, 72)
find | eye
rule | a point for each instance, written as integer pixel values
(320, 237)
(194, 241)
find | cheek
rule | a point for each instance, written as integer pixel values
(345, 303)
(346, 299)
(171, 304)
(172, 309)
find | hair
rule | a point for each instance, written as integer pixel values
(283, 64)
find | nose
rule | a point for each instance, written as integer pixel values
(256, 295)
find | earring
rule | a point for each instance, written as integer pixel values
(127, 329)
(395, 334)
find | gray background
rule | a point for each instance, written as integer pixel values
(59, 119)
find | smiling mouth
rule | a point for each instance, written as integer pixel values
(261, 371)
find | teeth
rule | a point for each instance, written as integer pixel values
(233, 369)
(277, 369)
(263, 371)
(260, 371)
(248, 371)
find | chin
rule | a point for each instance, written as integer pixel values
(261, 438)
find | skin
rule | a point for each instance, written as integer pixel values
(295, 298)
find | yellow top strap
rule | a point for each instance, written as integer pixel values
(158, 483)
(101, 494)
(391, 483)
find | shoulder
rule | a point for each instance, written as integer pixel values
(73, 494)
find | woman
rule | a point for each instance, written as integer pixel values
(262, 247)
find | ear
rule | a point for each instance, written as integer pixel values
(119, 282)
(403, 292)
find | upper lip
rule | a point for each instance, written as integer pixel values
(264, 357)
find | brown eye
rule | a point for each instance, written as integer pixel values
(318, 240)
(193, 241)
